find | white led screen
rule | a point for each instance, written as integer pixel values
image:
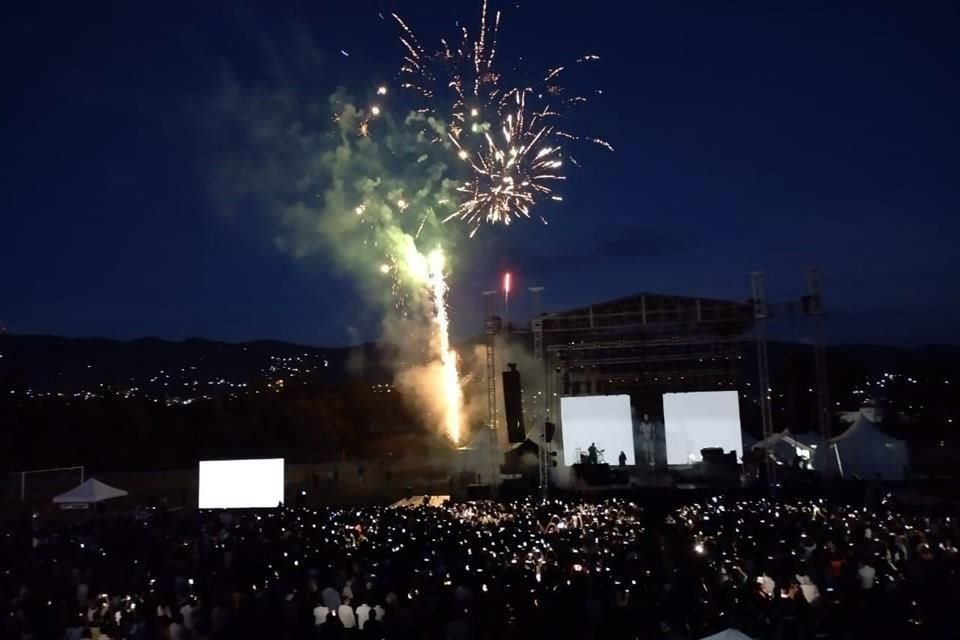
(600, 420)
(699, 420)
(239, 484)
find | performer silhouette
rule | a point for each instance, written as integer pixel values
(647, 439)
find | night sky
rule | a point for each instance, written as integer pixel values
(749, 136)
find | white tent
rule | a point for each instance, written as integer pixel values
(784, 446)
(809, 439)
(481, 457)
(866, 451)
(728, 634)
(90, 491)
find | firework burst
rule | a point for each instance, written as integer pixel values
(511, 139)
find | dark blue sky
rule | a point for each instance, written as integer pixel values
(749, 136)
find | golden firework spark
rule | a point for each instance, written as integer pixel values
(508, 138)
(428, 271)
(450, 378)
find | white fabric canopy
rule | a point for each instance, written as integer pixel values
(781, 437)
(784, 446)
(90, 491)
(866, 451)
(809, 439)
(728, 634)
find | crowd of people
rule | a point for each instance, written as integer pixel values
(486, 570)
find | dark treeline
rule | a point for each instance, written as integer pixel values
(306, 424)
(339, 411)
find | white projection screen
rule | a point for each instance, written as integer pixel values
(698, 420)
(241, 484)
(604, 420)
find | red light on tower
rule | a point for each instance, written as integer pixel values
(506, 299)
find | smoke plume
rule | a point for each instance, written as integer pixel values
(474, 369)
(349, 181)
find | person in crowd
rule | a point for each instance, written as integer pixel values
(346, 614)
(320, 613)
(331, 599)
(867, 574)
(363, 614)
(372, 627)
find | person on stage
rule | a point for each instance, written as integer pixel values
(648, 434)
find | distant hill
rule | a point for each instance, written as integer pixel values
(153, 403)
(155, 366)
(156, 404)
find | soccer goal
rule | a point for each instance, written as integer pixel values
(44, 482)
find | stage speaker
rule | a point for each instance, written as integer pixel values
(549, 430)
(711, 454)
(513, 404)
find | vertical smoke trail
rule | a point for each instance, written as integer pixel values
(452, 393)
(437, 383)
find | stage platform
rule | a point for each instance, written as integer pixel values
(419, 501)
(591, 477)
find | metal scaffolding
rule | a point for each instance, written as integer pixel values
(814, 308)
(644, 340)
(653, 343)
(763, 363)
(491, 329)
(540, 414)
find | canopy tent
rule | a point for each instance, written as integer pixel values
(521, 457)
(809, 439)
(728, 634)
(784, 446)
(866, 451)
(481, 457)
(91, 491)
